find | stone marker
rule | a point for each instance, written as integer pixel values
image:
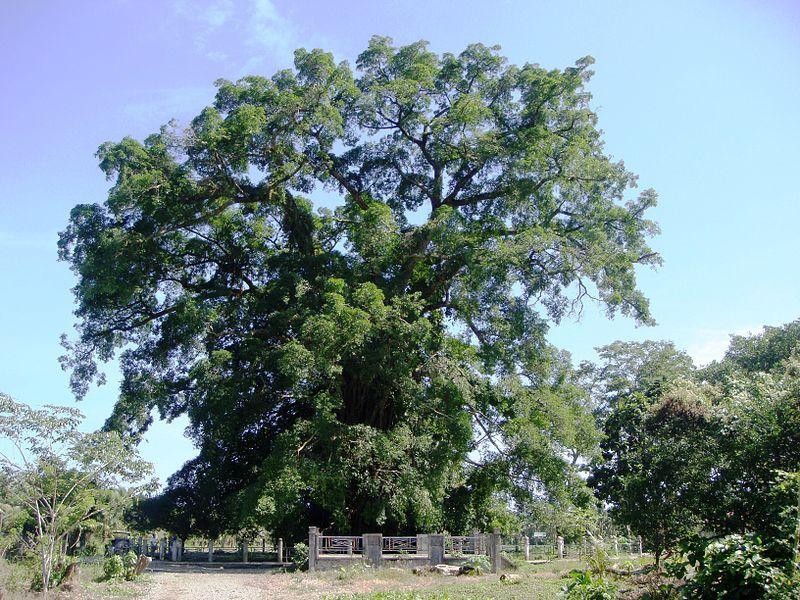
(142, 564)
(436, 552)
(373, 548)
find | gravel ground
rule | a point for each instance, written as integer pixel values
(246, 585)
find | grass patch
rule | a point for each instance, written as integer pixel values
(537, 583)
(15, 579)
(93, 582)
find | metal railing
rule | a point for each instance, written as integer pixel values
(399, 545)
(340, 544)
(456, 545)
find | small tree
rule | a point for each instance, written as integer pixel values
(60, 474)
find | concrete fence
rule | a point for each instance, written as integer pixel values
(375, 549)
(177, 550)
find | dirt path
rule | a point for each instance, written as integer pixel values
(246, 585)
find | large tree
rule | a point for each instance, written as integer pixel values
(658, 446)
(367, 363)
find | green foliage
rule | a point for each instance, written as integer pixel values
(659, 445)
(113, 567)
(63, 478)
(599, 562)
(586, 586)
(478, 564)
(735, 566)
(59, 570)
(120, 567)
(718, 453)
(129, 561)
(381, 363)
(300, 554)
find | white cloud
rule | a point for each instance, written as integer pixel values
(207, 21)
(217, 14)
(148, 110)
(250, 32)
(271, 32)
(710, 344)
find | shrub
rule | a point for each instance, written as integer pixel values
(585, 586)
(113, 567)
(129, 563)
(735, 567)
(478, 564)
(300, 554)
(599, 562)
(120, 567)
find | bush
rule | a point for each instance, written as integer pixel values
(113, 567)
(479, 564)
(599, 562)
(120, 567)
(129, 563)
(585, 586)
(735, 567)
(300, 554)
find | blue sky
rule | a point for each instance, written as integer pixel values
(699, 98)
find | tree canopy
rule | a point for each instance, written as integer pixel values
(712, 451)
(61, 479)
(345, 279)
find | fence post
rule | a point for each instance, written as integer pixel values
(373, 548)
(436, 550)
(527, 547)
(423, 543)
(560, 544)
(495, 550)
(313, 533)
(162, 548)
(210, 550)
(280, 550)
(616, 546)
(641, 552)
